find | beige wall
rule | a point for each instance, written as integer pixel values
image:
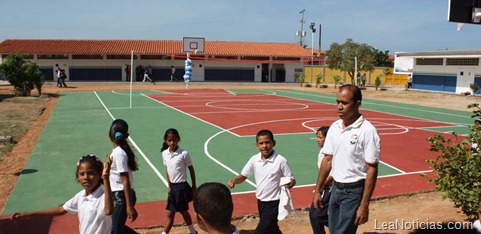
(396, 79)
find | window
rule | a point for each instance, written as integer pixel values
(430, 61)
(52, 56)
(87, 56)
(155, 56)
(120, 56)
(462, 61)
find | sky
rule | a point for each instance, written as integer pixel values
(397, 26)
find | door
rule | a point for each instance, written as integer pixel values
(464, 78)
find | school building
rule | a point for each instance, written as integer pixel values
(106, 60)
(450, 71)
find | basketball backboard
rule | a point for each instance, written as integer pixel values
(464, 11)
(193, 44)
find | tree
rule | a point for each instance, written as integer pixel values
(22, 74)
(458, 168)
(381, 59)
(342, 57)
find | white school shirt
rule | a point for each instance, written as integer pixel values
(268, 175)
(176, 164)
(90, 211)
(351, 149)
(119, 165)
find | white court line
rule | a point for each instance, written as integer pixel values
(185, 113)
(145, 107)
(378, 104)
(136, 146)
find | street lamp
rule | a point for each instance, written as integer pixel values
(313, 30)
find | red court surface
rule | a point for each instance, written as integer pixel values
(237, 114)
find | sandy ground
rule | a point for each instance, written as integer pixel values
(401, 214)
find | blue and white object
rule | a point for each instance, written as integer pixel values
(188, 69)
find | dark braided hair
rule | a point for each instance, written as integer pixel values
(118, 133)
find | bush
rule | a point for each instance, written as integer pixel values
(377, 82)
(302, 79)
(474, 87)
(23, 75)
(337, 79)
(458, 168)
(318, 79)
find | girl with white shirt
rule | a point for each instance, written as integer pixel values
(94, 204)
(121, 179)
(180, 193)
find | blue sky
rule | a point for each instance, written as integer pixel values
(407, 25)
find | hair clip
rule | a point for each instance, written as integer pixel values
(118, 135)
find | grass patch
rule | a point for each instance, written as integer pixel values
(16, 116)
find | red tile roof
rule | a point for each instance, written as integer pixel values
(166, 47)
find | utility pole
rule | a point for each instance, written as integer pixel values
(301, 33)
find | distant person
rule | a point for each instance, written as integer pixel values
(122, 177)
(410, 81)
(213, 208)
(94, 204)
(150, 74)
(61, 76)
(172, 73)
(147, 77)
(351, 157)
(269, 168)
(138, 73)
(127, 72)
(319, 218)
(180, 193)
(363, 80)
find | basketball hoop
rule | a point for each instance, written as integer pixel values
(460, 26)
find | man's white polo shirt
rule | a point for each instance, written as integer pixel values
(267, 175)
(351, 148)
(90, 211)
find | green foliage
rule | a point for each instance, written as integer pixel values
(474, 87)
(458, 168)
(302, 79)
(23, 75)
(381, 59)
(342, 57)
(377, 82)
(337, 79)
(318, 78)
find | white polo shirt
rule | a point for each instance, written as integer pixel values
(176, 164)
(119, 165)
(268, 175)
(351, 149)
(90, 211)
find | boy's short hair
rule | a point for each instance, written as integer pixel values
(213, 201)
(265, 132)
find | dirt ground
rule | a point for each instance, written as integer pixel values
(400, 214)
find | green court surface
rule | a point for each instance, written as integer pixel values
(80, 122)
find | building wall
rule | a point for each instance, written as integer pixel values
(446, 78)
(203, 70)
(392, 79)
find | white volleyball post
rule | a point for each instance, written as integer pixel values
(131, 75)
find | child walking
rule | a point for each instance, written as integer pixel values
(121, 179)
(93, 204)
(180, 193)
(319, 218)
(268, 168)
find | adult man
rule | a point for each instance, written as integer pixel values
(352, 150)
(213, 208)
(410, 81)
